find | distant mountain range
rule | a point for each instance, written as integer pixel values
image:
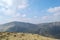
(46, 29)
(50, 29)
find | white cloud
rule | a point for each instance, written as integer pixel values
(23, 15)
(54, 10)
(22, 4)
(21, 19)
(55, 13)
(2, 9)
(9, 12)
(55, 16)
(8, 2)
(10, 8)
(17, 15)
(1, 4)
(44, 17)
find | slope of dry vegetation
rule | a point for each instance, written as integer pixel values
(21, 36)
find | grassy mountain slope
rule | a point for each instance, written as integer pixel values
(22, 36)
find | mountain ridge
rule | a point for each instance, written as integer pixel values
(45, 29)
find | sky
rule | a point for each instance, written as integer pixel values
(31, 11)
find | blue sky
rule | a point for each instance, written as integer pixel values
(31, 11)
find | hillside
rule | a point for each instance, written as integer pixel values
(18, 27)
(22, 36)
(50, 29)
(46, 29)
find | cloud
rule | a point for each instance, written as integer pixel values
(22, 4)
(9, 11)
(54, 10)
(11, 7)
(55, 14)
(23, 15)
(8, 2)
(44, 17)
(1, 4)
(21, 19)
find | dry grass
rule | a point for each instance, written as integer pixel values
(22, 36)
